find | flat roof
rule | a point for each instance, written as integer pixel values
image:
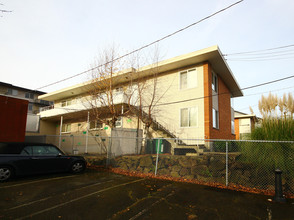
(211, 54)
(8, 85)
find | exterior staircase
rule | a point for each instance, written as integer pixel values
(178, 146)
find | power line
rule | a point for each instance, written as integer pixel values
(260, 59)
(269, 49)
(203, 97)
(250, 87)
(143, 47)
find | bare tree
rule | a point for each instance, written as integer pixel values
(108, 99)
(122, 87)
(4, 11)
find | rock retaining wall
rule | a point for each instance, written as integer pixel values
(210, 168)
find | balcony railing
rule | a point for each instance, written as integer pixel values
(46, 108)
(79, 105)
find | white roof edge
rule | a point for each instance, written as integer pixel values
(212, 49)
(228, 67)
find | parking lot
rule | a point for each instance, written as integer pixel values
(103, 195)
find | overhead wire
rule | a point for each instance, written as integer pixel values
(276, 53)
(254, 51)
(143, 47)
(223, 93)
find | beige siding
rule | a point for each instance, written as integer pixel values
(171, 100)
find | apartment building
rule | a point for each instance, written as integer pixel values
(24, 93)
(193, 100)
(34, 104)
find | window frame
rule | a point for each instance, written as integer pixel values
(189, 117)
(95, 125)
(13, 92)
(66, 128)
(30, 107)
(188, 79)
(67, 102)
(214, 82)
(29, 95)
(215, 118)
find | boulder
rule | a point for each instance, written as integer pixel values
(185, 171)
(185, 162)
(146, 161)
(174, 174)
(199, 170)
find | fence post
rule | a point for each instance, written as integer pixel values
(72, 144)
(227, 164)
(279, 197)
(109, 151)
(60, 131)
(87, 133)
(157, 149)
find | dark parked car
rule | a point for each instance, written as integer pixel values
(36, 158)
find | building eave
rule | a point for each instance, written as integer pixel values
(212, 55)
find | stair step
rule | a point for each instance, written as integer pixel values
(194, 154)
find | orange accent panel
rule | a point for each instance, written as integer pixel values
(237, 131)
(207, 78)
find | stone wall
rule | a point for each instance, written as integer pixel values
(209, 168)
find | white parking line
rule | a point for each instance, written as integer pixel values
(76, 199)
(37, 181)
(49, 197)
(148, 208)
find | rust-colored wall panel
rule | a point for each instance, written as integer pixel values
(224, 105)
(207, 78)
(13, 119)
(237, 130)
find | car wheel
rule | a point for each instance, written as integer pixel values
(5, 173)
(78, 167)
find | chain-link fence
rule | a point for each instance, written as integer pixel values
(245, 164)
(250, 164)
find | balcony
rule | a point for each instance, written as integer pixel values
(78, 105)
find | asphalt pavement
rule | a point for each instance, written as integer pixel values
(103, 195)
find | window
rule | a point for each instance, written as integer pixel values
(118, 122)
(188, 79)
(66, 128)
(215, 118)
(214, 82)
(96, 125)
(189, 117)
(29, 95)
(30, 107)
(28, 150)
(119, 90)
(66, 102)
(233, 126)
(40, 151)
(12, 92)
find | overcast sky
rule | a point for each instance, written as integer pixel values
(44, 41)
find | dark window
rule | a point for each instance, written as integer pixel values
(29, 95)
(28, 150)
